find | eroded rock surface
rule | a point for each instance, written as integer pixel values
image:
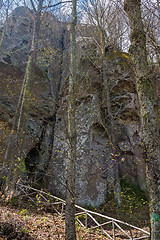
(46, 143)
(49, 73)
(95, 173)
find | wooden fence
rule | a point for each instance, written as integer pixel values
(110, 227)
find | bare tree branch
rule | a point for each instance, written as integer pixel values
(34, 8)
(29, 11)
(54, 5)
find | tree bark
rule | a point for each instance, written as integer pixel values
(148, 109)
(115, 160)
(71, 164)
(16, 163)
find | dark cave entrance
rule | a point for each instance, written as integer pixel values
(31, 162)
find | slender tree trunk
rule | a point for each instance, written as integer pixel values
(115, 160)
(71, 168)
(5, 26)
(149, 111)
(16, 162)
(2, 37)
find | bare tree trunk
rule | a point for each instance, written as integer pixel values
(5, 25)
(16, 161)
(115, 160)
(148, 110)
(71, 168)
(15, 170)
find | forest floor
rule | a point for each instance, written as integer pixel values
(25, 225)
(21, 220)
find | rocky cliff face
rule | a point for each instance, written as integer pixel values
(95, 173)
(49, 73)
(46, 145)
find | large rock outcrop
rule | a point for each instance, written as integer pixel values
(48, 75)
(95, 173)
(46, 144)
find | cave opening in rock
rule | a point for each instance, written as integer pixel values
(97, 127)
(31, 162)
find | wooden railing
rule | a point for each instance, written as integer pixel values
(110, 227)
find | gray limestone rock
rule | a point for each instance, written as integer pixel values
(46, 142)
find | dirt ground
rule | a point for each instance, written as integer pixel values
(25, 225)
(28, 224)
